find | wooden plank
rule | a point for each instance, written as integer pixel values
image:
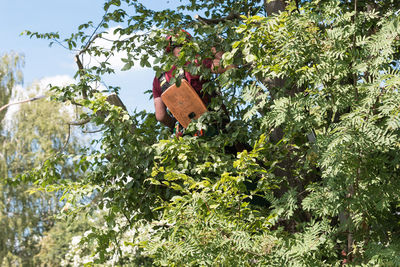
(183, 102)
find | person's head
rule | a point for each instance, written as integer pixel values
(176, 50)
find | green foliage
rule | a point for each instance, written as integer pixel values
(323, 67)
(31, 134)
(55, 244)
(10, 75)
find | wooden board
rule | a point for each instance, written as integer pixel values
(183, 102)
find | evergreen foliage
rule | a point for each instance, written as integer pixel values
(323, 67)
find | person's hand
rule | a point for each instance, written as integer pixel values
(217, 55)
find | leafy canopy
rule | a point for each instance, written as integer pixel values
(324, 67)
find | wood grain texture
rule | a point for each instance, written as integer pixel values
(183, 102)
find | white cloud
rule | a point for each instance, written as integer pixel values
(58, 80)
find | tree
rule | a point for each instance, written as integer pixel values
(9, 75)
(38, 130)
(315, 93)
(54, 247)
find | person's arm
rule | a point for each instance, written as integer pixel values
(162, 114)
(160, 108)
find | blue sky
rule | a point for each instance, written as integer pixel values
(64, 16)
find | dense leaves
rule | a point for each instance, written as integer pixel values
(313, 100)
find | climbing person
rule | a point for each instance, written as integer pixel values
(160, 84)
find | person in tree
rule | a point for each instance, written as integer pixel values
(160, 84)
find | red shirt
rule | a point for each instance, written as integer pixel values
(194, 81)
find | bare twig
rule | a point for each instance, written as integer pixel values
(94, 35)
(63, 46)
(22, 101)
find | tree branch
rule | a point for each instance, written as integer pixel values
(95, 131)
(80, 67)
(78, 60)
(23, 101)
(91, 40)
(67, 138)
(114, 99)
(231, 16)
(77, 123)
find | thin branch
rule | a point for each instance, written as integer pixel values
(80, 67)
(78, 61)
(63, 46)
(112, 99)
(231, 16)
(95, 131)
(127, 217)
(67, 138)
(23, 101)
(86, 47)
(73, 102)
(77, 123)
(93, 36)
